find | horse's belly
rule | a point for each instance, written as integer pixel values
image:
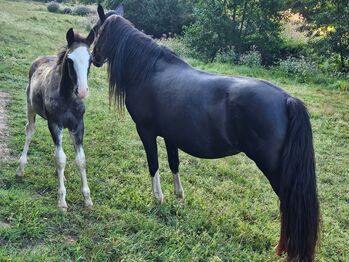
(202, 144)
(209, 154)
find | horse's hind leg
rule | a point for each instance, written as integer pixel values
(269, 165)
(150, 146)
(173, 161)
(61, 159)
(29, 131)
(77, 137)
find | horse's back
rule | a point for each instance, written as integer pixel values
(42, 62)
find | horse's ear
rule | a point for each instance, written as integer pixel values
(70, 37)
(90, 38)
(100, 12)
(120, 10)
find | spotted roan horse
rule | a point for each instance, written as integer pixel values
(57, 85)
(212, 116)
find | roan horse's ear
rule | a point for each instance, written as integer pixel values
(120, 10)
(70, 37)
(100, 12)
(90, 38)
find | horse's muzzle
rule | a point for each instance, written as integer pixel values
(96, 60)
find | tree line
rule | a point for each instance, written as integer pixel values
(212, 27)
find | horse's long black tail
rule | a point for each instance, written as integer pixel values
(298, 197)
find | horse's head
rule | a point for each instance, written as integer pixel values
(98, 58)
(79, 60)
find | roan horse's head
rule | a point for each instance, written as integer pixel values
(98, 59)
(79, 60)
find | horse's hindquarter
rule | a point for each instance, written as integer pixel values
(260, 119)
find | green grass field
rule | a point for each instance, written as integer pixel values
(230, 212)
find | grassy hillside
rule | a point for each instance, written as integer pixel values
(230, 212)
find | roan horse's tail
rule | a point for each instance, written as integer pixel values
(298, 197)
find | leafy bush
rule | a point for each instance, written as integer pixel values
(66, 10)
(47, 1)
(299, 67)
(243, 24)
(156, 17)
(252, 58)
(81, 10)
(210, 32)
(53, 7)
(176, 44)
(227, 55)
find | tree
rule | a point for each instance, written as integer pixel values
(156, 17)
(243, 24)
(328, 23)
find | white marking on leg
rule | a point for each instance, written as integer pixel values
(81, 58)
(61, 160)
(81, 164)
(156, 187)
(178, 189)
(29, 131)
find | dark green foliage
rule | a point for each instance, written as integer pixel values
(328, 22)
(242, 24)
(301, 68)
(66, 10)
(252, 58)
(156, 17)
(81, 10)
(53, 7)
(47, 1)
(211, 31)
(86, 2)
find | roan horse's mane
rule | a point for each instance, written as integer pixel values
(131, 55)
(61, 55)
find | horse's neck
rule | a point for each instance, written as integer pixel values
(66, 87)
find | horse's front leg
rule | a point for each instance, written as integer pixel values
(173, 161)
(29, 131)
(149, 142)
(61, 159)
(77, 137)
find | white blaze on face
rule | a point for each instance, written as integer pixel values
(81, 60)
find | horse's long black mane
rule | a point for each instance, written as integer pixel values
(130, 53)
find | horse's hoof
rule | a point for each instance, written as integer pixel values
(89, 204)
(63, 206)
(19, 177)
(159, 199)
(180, 196)
(63, 209)
(19, 173)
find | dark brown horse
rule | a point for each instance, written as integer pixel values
(213, 116)
(57, 85)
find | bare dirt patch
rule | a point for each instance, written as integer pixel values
(4, 150)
